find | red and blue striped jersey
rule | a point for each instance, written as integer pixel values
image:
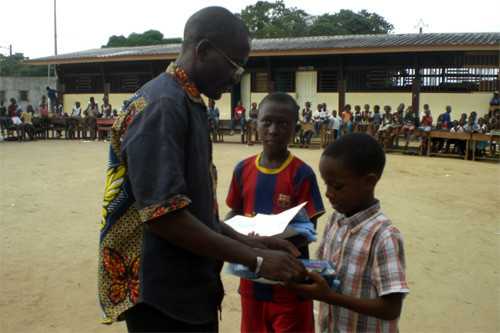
(255, 189)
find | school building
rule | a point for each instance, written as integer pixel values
(439, 69)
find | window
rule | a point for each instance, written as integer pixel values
(284, 81)
(459, 79)
(380, 79)
(327, 81)
(2, 95)
(260, 82)
(23, 95)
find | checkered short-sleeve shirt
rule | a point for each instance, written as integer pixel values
(369, 254)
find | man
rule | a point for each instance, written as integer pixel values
(161, 242)
(447, 117)
(52, 95)
(238, 118)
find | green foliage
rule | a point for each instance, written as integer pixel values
(14, 66)
(275, 20)
(150, 37)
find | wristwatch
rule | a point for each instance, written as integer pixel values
(258, 265)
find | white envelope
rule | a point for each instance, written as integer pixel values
(263, 224)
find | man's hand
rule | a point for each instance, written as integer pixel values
(281, 266)
(317, 290)
(273, 243)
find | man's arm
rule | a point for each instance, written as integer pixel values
(385, 307)
(182, 229)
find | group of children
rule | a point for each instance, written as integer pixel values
(388, 126)
(367, 249)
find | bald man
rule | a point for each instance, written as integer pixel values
(161, 242)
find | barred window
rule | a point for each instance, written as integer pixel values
(260, 82)
(285, 81)
(23, 95)
(327, 81)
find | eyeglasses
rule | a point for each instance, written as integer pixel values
(239, 70)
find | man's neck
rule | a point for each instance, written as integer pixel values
(273, 160)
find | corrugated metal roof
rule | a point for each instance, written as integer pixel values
(334, 43)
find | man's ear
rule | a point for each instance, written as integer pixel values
(201, 50)
(371, 179)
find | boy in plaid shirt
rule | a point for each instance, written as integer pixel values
(367, 249)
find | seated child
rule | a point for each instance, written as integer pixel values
(269, 183)
(361, 240)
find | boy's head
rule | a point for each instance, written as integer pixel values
(376, 109)
(367, 107)
(278, 114)
(77, 104)
(351, 168)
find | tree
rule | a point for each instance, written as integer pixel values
(272, 20)
(150, 37)
(14, 66)
(347, 22)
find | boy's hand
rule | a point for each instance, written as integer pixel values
(281, 266)
(318, 289)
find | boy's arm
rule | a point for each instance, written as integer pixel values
(386, 307)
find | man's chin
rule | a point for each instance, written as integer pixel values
(215, 95)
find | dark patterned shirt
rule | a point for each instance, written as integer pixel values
(159, 162)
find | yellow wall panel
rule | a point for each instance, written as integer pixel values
(459, 102)
(391, 99)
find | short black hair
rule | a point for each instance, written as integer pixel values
(282, 98)
(216, 24)
(360, 152)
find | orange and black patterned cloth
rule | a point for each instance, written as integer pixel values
(159, 162)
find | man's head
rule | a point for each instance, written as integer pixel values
(319, 107)
(92, 100)
(376, 109)
(426, 106)
(351, 168)
(308, 105)
(401, 107)
(77, 104)
(278, 114)
(357, 109)
(13, 101)
(387, 108)
(215, 50)
(254, 105)
(367, 107)
(211, 103)
(324, 106)
(448, 109)
(334, 113)
(347, 107)
(47, 88)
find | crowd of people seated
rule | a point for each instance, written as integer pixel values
(35, 122)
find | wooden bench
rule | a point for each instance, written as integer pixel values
(480, 137)
(436, 134)
(104, 126)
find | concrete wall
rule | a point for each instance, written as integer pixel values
(36, 87)
(375, 98)
(459, 102)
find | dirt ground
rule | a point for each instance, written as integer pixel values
(49, 211)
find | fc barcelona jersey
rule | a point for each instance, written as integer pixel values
(255, 189)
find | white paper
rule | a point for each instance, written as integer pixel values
(263, 224)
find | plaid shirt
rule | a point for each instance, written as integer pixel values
(369, 255)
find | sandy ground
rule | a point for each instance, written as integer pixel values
(447, 209)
